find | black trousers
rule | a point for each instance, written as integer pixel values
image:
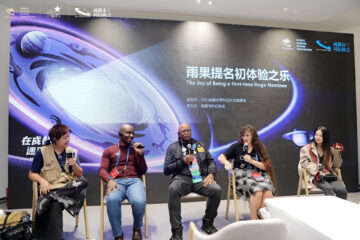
(50, 224)
(181, 185)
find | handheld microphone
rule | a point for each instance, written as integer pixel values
(70, 154)
(189, 149)
(243, 164)
(138, 146)
(246, 148)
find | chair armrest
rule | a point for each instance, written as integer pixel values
(101, 190)
(233, 177)
(36, 189)
(143, 180)
(338, 173)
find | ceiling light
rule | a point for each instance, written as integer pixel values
(210, 3)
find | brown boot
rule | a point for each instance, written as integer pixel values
(137, 234)
(119, 238)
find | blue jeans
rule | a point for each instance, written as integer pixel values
(132, 189)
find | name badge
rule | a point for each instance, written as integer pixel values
(258, 176)
(200, 149)
(114, 173)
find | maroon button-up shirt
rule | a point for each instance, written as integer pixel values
(136, 165)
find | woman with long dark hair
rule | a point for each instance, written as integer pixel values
(253, 169)
(57, 170)
(319, 160)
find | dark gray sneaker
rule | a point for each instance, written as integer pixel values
(208, 228)
(177, 235)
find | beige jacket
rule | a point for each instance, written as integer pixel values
(309, 159)
(51, 171)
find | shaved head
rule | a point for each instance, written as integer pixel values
(184, 126)
(185, 132)
(126, 134)
(125, 127)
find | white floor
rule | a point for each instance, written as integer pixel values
(158, 219)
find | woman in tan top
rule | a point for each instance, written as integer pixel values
(319, 160)
(56, 168)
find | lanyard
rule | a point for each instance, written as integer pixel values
(127, 158)
(256, 158)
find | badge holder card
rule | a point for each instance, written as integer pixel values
(258, 177)
(114, 173)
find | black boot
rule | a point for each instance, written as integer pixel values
(208, 227)
(176, 235)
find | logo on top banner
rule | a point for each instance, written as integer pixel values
(54, 12)
(10, 11)
(24, 11)
(82, 12)
(101, 12)
(341, 47)
(324, 46)
(286, 44)
(302, 45)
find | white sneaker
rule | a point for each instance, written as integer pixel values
(264, 213)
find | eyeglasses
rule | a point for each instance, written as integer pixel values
(186, 131)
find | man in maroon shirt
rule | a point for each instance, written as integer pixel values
(121, 166)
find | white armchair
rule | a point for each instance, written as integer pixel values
(245, 230)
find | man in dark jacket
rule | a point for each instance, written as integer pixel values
(193, 169)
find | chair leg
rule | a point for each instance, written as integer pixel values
(86, 220)
(77, 221)
(299, 185)
(235, 205)
(306, 184)
(33, 212)
(102, 221)
(192, 229)
(228, 201)
(35, 196)
(146, 224)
